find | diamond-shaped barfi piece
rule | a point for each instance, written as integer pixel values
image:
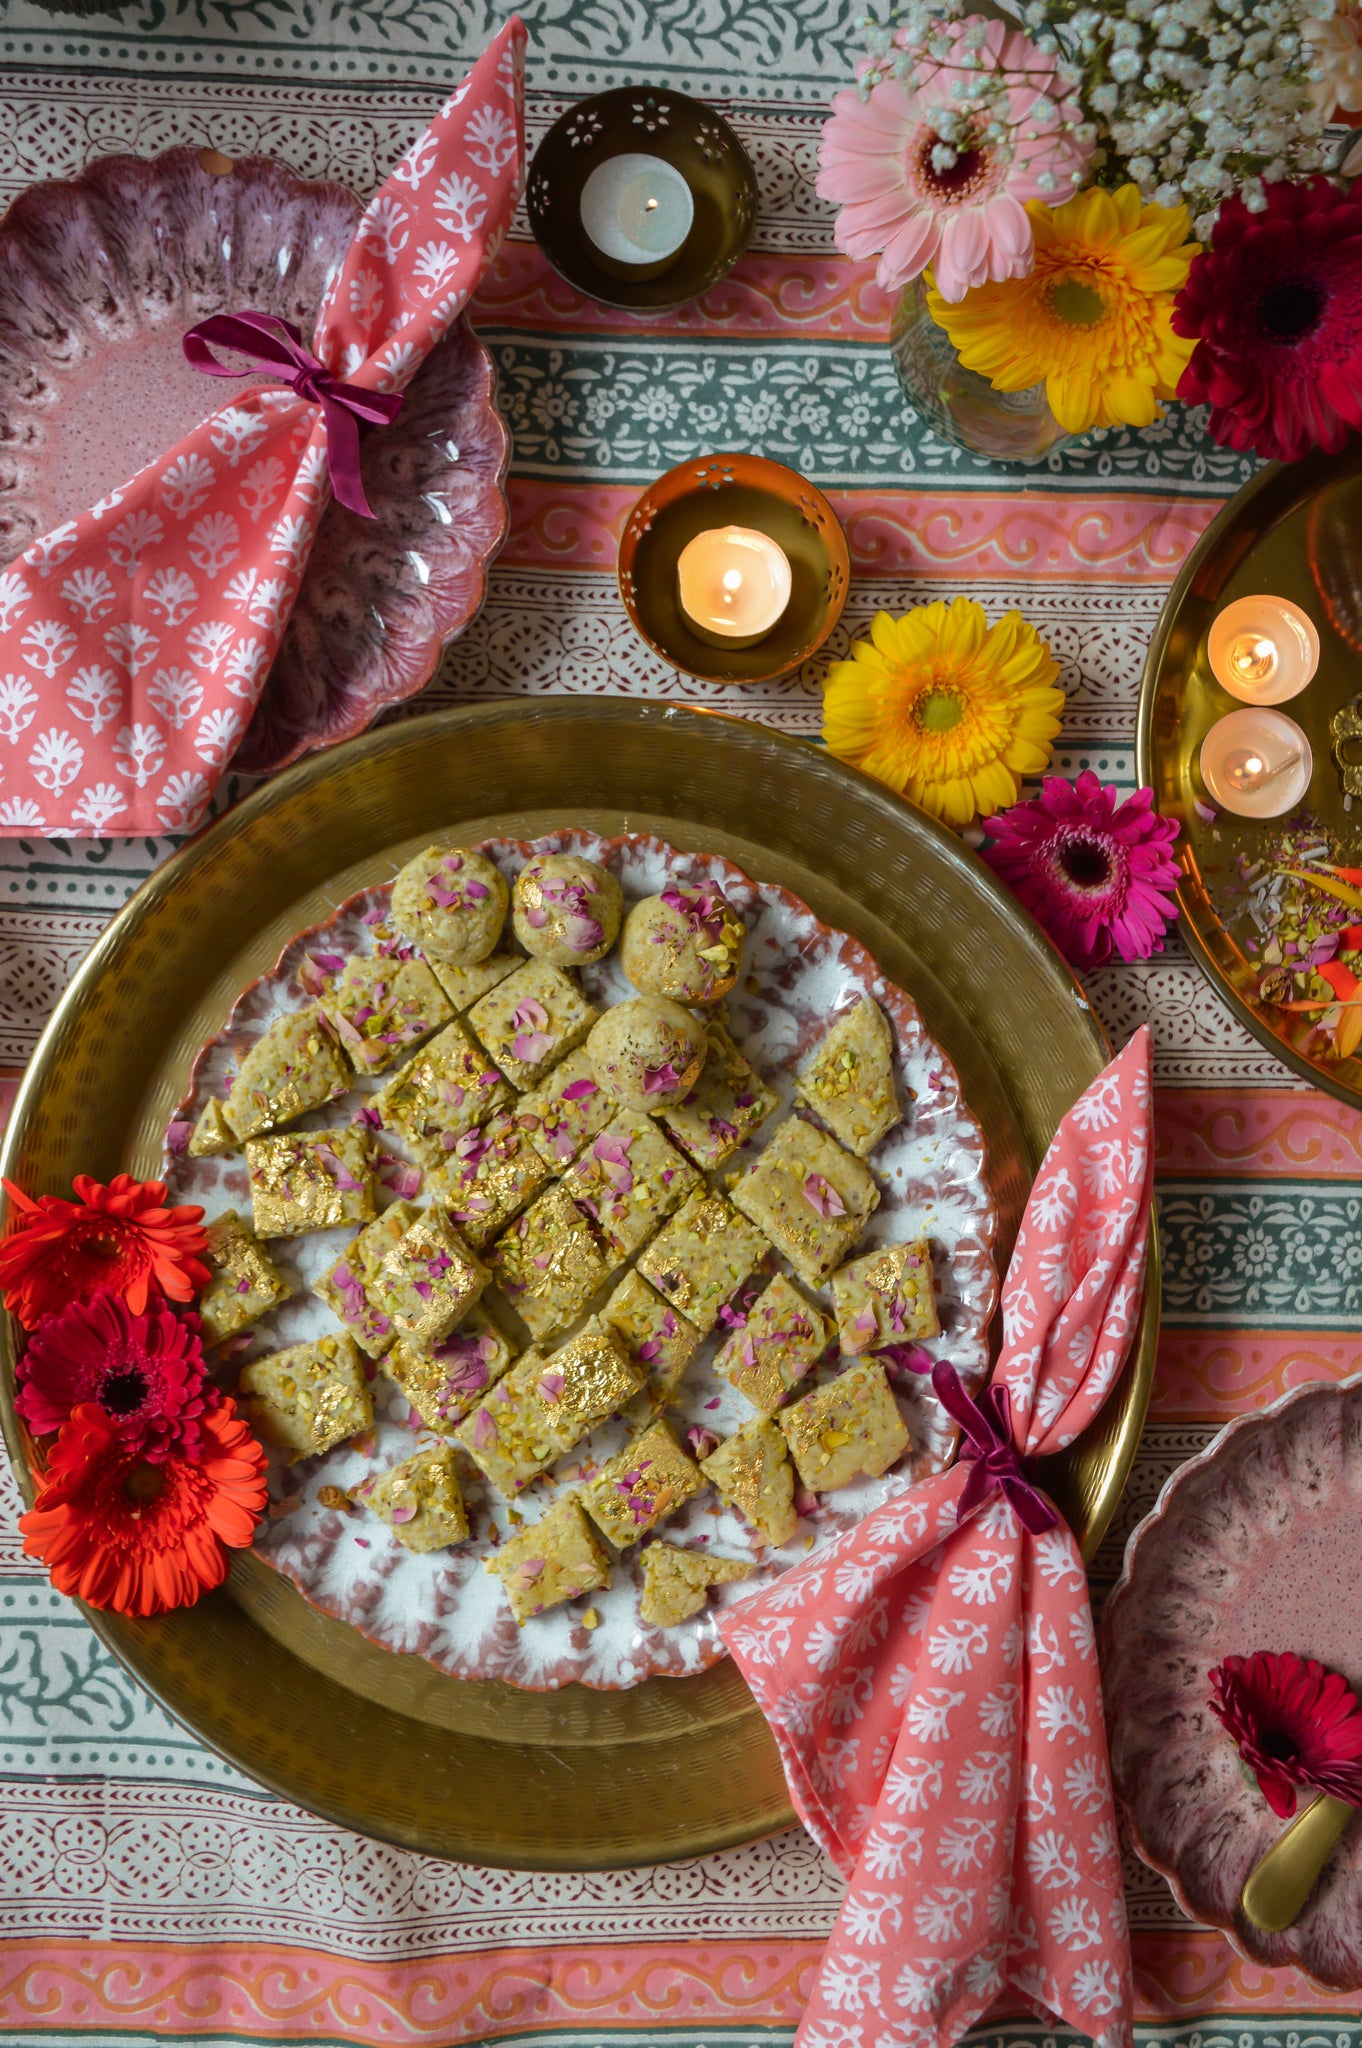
(676, 1582)
(488, 1178)
(449, 1087)
(546, 1404)
(294, 1066)
(809, 1196)
(530, 1020)
(646, 1481)
(445, 1383)
(550, 1262)
(752, 1471)
(309, 1397)
(849, 1081)
(345, 1286)
(427, 1281)
(628, 1179)
(212, 1134)
(381, 1005)
(780, 1342)
(728, 1102)
(659, 1339)
(463, 985)
(311, 1180)
(555, 1560)
(570, 1105)
(886, 1298)
(702, 1257)
(847, 1428)
(246, 1283)
(420, 1500)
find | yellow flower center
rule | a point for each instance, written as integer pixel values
(938, 710)
(1076, 303)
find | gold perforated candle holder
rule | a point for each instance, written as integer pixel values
(743, 491)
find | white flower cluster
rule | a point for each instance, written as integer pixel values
(1192, 100)
(980, 112)
(1197, 99)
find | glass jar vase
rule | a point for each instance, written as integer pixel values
(962, 406)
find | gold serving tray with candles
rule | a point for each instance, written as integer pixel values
(386, 1744)
(1295, 532)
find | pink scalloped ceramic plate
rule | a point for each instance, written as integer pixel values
(1256, 1544)
(931, 1170)
(100, 277)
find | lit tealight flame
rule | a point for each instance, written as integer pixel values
(1245, 771)
(1253, 657)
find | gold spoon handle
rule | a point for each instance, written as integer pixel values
(1283, 1880)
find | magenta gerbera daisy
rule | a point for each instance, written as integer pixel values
(912, 199)
(1294, 1724)
(1275, 308)
(1096, 875)
(145, 1372)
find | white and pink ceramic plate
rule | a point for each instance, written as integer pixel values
(1253, 1545)
(798, 975)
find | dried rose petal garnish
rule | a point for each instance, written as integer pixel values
(823, 1197)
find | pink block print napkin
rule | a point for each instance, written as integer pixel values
(135, 640)
(932, 1680)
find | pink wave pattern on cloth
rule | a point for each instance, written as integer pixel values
(932, 1683)
(135, 640)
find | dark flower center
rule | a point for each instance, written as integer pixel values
(1288, 312)
(1278, 1747)
(124, 1390)
(1085, 861)
(956, 178)
(145, 1483)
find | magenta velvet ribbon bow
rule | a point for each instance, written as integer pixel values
(275, 344)
(989, 1450)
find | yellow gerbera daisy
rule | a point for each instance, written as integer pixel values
(1093, 321)
(949, 710)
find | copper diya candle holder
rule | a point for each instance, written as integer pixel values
(745, 491)
(684, 134)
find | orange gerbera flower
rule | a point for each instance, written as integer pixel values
(119, 1239)
(118, 1531)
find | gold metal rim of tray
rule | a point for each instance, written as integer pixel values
(384, 1744)
(1286, 518)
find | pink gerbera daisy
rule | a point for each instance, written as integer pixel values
(1294, 1723)
(1275, 308)
(913, 200)
(1095, 874)
(145, 1373)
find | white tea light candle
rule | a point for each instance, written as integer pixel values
(734, 585)
(637, 211)
(1256, 763)
(1263, 649)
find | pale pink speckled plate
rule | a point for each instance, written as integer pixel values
(99, 279)
(798, 975)
(1256, 1544)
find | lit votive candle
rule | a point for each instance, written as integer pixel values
(1263, 649)
(734, 584)
(637, 211)
(1256, 763)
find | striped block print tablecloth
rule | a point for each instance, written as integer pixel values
(147, 1892)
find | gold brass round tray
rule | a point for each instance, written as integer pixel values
(385, 1744)
(1294, 531)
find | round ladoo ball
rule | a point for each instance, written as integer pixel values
(647, 1053)
(686, 943)
(451, 903)
(566, 910)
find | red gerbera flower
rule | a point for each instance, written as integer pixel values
(118, 1531)
(1295, 1724)
(1275, 307)
(118, 1239)
(1093, 874)
(145, 1372)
